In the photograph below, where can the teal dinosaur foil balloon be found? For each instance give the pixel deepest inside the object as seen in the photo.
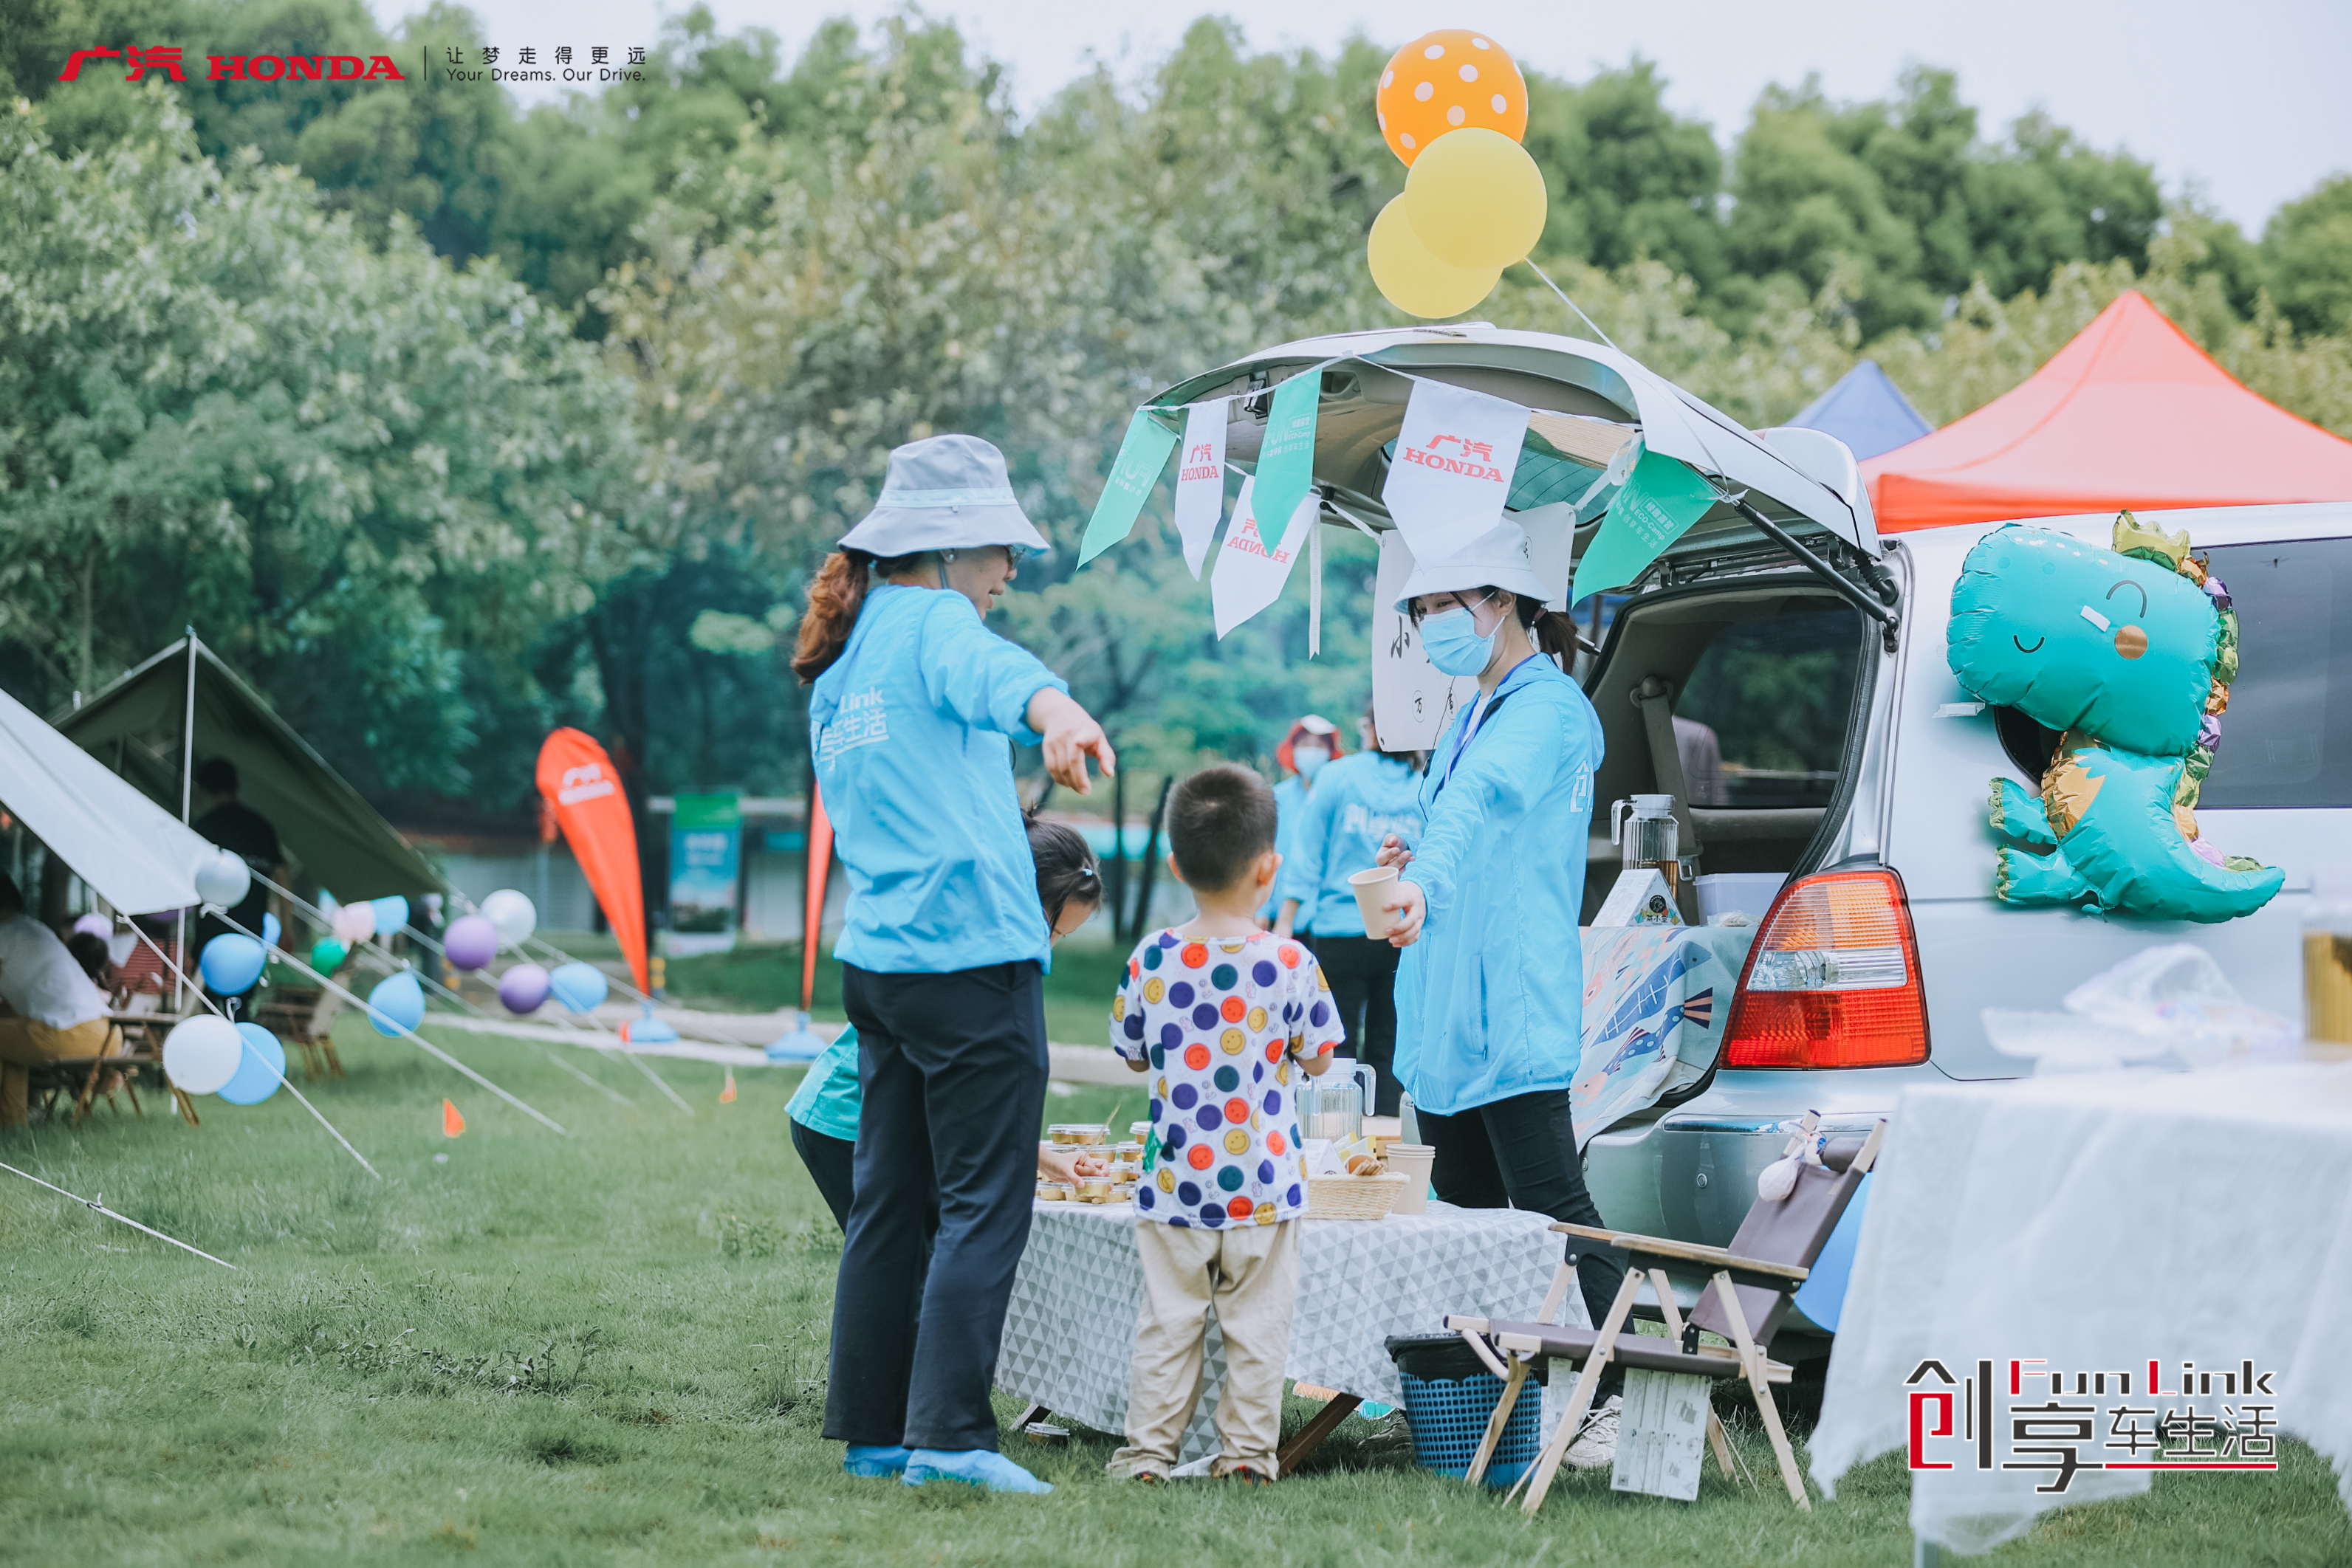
(2129, 653)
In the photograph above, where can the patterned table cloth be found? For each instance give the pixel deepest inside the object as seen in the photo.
(1070, 1333)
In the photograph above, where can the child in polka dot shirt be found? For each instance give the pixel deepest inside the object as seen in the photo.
(1224, 1018)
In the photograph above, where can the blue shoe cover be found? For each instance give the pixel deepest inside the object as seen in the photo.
(982, 1468)
(866, 1459)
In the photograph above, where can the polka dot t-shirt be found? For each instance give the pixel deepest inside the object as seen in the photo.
(1218, 1023)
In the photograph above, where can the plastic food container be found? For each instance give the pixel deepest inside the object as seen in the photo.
(1053, 1192)
(1091, 1137)
(1062, 1133)
(1094, 1189)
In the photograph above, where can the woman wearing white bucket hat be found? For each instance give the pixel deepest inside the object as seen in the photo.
(915, 707)
(1489, 994)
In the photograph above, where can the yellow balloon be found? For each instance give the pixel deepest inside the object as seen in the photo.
(1476, 199)
(1414, 281)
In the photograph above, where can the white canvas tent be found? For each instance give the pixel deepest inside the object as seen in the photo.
(138, 857)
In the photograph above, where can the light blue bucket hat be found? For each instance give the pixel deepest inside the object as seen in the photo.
(948, 492)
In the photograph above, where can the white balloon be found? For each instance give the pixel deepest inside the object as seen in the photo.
(354, 924)
(203, 1053)
(512, 913)
(223, 879)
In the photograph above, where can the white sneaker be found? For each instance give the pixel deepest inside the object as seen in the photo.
(1596, 1445)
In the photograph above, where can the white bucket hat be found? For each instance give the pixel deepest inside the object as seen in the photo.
(948, 492)
(1500, 557)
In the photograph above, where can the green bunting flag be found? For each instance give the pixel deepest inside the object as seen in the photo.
(1286, 459)
(1141, 456)
(1662, 497)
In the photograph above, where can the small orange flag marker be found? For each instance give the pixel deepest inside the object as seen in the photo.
(452, 1124)
(727, 1095)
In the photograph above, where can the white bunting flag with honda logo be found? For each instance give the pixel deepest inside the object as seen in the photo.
(1453, 467)
(1250, 570)
(1201, 479)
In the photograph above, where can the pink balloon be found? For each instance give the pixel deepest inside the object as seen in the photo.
(471, 942)
(523, 988)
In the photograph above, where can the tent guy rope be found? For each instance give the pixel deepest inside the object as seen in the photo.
(98, 1205)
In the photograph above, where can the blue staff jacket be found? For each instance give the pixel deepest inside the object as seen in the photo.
(909, 730)
(1290, 797)
(1490, 1000)
(1359, 800)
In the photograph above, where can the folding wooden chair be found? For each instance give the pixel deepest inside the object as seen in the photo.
(304, 1017)
(1749, 1286)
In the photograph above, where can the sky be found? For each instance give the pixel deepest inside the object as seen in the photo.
(2244, 102)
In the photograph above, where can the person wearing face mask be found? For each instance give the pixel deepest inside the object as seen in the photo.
(1489, 990)
(912, 716)
(1312, 742)
(1358, 801)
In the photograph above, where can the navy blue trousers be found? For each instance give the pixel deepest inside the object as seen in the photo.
(952, 1072)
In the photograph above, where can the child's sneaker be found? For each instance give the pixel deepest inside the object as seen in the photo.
(982, 1468)
(868, 1459)
(1248, 1476)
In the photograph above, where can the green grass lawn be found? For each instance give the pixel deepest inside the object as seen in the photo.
(610, 1348)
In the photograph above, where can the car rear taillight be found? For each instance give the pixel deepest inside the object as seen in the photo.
(1833, 980)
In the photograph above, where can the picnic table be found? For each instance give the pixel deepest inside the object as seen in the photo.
(1069, 1337)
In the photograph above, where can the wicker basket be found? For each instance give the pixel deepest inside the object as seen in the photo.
(1353, 1197)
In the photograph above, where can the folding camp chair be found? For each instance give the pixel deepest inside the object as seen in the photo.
(1749, 1285)
(304, 1015)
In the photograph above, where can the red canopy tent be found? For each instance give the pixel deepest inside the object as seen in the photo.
(2130, 414)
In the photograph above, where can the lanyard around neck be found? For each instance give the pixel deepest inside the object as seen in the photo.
(1477, 721)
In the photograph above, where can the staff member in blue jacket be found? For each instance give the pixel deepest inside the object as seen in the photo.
(911, 723)
(1358, 802)
(1309, 747)
(1490, 990)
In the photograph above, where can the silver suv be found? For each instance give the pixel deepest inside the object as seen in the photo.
(1851, 762)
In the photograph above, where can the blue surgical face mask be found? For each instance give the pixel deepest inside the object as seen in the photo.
(1450, 638)
(1307, 760)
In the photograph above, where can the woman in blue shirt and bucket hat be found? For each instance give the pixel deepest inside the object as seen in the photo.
(913, 714)
(1489, 992)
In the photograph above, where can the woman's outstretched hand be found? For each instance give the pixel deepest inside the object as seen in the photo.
(1071, 737)
(1411, 908)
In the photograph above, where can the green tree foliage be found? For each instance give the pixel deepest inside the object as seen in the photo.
(350, 466)
(2307, 253)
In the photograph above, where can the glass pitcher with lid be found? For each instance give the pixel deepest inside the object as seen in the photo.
(1651, 836)
(1335, 1104)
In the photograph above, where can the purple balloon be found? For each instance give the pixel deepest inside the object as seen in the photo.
(523, 988)
(470, 943)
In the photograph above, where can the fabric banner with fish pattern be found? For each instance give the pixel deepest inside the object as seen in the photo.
(1656, 999)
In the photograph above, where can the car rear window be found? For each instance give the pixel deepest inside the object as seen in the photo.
(1770, 701)
(2286, 740)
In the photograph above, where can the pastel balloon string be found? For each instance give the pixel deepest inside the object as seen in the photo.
(409, 1034)
(283, 1081)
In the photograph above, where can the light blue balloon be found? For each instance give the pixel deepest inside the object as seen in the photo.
(260, 1070)
(579, 986)
(391, 914)
(231, 964)
(397, 1001)
(270, 930)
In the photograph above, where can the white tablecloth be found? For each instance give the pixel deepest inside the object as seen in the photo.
(2093, 1222)
(1069, 1337)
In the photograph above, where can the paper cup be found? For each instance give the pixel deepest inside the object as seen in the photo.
(1373, 889)
(1412, 1161)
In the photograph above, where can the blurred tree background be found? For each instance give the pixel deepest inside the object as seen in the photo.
(449, 421)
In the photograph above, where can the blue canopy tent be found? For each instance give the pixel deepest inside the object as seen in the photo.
(1866, 410)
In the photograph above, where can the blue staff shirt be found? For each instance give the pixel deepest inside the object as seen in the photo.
(912, 733)
(1490, 1002)
(1359, 800)
(828, 1099)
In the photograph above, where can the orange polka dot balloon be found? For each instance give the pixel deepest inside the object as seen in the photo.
(1443, 82)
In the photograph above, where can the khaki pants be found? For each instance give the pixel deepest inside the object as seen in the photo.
(1250, 1274)
(25, 1043)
